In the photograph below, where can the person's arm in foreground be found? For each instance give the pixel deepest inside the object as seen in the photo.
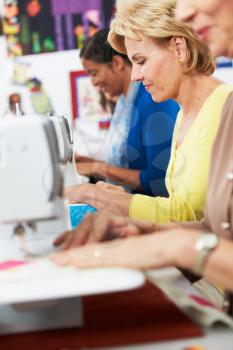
(104, 226)
(172, 248)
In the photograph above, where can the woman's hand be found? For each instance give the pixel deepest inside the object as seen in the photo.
(84, 159)
(102, 226)
(175, 247)
(106, 185)
(100, 198)
(141, 252)
(93, 168)
(74, 194)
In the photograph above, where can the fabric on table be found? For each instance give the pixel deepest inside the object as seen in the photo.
(78, 212)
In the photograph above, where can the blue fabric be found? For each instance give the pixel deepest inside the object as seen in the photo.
(78, 212)
(149, 141)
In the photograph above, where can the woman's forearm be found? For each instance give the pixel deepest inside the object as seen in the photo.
(126, 177)
(175, 247)
(85, 159)
(218, 266)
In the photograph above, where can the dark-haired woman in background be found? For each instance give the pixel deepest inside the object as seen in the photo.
(139, 140)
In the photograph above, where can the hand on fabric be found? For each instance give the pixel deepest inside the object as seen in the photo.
(73, 194)
(141, 252)
(99, 198)
(172, 248)
(103, 226)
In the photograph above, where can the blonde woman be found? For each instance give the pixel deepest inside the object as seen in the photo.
(168, 58)
(178, 245)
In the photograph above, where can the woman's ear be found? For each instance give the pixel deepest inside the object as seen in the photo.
(118, 63)
(179, 46)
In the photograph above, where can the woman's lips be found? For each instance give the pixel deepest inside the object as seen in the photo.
(148, 86)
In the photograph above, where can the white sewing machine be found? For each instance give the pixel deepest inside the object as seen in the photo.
(32, 215)
(31, 185)
(36, 161)
(64, 133)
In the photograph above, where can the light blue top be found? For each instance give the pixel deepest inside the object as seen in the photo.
(119, 128)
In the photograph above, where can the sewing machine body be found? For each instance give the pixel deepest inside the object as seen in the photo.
(41, 295)
(32, 211)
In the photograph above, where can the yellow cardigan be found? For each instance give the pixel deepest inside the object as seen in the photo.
(188, 169)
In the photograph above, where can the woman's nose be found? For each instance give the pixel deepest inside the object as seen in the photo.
(94, 81)
(136, 74)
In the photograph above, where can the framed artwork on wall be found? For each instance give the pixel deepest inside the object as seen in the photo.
(41, 26)
(84, 97)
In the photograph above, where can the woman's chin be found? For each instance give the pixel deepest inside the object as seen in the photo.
(157, 98)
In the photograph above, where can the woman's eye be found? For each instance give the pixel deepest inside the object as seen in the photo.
(141, 62)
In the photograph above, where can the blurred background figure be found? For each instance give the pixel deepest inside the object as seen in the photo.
(39, 98)
(14, 105)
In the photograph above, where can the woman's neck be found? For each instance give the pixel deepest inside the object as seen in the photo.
(193, 91)
(229, 52)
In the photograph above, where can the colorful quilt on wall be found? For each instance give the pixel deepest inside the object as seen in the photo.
(37, 26)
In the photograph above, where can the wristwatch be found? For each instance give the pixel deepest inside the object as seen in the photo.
(205, 244)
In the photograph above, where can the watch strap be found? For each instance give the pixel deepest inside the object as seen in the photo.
(200, 261)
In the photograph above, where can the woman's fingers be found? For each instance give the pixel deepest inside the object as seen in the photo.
(103, 226)
(134, 252)
(61, 239)
(108, 186)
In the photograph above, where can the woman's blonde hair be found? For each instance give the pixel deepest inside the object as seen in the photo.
(155, 19)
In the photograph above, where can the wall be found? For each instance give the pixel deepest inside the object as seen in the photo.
(225, 74)
(51, 68)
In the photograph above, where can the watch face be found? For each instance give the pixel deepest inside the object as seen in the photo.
(207, 241)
